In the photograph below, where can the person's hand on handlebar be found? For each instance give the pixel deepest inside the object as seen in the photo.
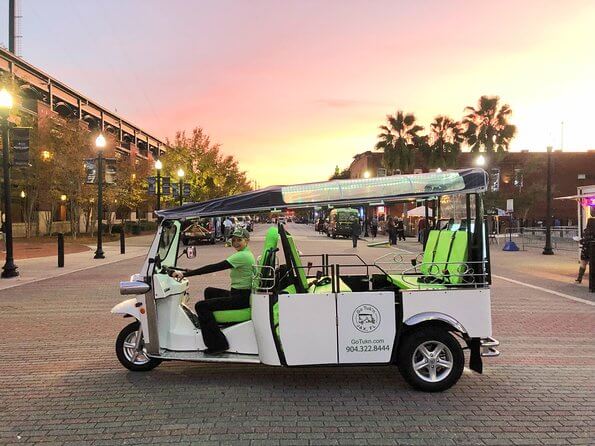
(178, 275)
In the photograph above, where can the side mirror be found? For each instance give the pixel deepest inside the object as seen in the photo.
(191, 252)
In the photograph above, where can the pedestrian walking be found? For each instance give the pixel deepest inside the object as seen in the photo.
(227, 226)
(356, 230)
(585, 242)
(400, 229)
(374, 226)
(391, 228)
(3, 236)
(421, 230)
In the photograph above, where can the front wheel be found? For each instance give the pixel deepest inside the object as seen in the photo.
(126, 350)
(431, 359)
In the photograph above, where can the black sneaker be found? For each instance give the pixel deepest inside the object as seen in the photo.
(213, 351)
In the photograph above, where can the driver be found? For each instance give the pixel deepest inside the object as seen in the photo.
(241, 264)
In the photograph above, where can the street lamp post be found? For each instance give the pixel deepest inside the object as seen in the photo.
(181, 184)
(158, 167)
(9, 269)
(100, 144)
(547, 250)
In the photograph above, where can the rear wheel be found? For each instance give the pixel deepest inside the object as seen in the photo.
(431, 359)
(129, 355)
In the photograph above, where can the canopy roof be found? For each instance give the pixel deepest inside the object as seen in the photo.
(337, 192)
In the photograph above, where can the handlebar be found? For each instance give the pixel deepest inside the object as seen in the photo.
(170, 269)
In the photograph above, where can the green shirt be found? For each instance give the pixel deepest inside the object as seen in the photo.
(243, 268)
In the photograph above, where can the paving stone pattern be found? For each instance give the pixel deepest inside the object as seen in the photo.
(60, 382)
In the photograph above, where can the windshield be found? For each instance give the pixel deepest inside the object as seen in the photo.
(166, 242)
(346, 217)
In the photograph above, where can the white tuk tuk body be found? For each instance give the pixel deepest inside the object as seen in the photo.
(337, 319)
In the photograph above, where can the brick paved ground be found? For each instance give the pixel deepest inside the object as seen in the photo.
(60, 381)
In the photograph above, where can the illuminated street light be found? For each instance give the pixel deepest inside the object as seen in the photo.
(46, 155)
(480, 161)
(5, 100)
(181, 184)
(438, 170)
(100, 144)
(158, 167)
(366, 174)
(9, 269)
(23, 194)
(100, 141)
(63, 197)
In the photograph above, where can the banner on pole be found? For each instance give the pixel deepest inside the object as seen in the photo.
(165, 186)
(20, 137)
(152, 185)
(90, 171)
(186, 190)
(110, 170)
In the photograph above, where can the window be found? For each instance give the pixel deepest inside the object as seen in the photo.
(518, 179)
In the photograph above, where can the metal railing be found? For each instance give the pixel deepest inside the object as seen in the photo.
(563, 237)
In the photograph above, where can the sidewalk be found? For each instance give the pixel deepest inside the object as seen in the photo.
(36, 269)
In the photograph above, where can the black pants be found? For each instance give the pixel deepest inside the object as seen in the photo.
(392, 237)
(217, 299)
(374, 230)
(401, 234)
(354, 239)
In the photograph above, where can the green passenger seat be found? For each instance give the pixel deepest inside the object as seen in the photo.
(325, 286)
(446, 267)
(266, 259)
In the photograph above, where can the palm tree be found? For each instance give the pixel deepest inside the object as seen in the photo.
(487, 126)
(399, 139)
(446, 138)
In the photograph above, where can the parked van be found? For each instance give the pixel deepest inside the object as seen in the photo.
(340, 221)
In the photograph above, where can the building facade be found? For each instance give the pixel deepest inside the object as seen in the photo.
(521, 176)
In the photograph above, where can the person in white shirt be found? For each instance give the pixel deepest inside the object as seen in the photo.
(227, 227)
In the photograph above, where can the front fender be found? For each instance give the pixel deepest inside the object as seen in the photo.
(435, 316)
(127, 307)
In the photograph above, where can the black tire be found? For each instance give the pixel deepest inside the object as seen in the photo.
(123, 357)
(451, 353)
(334, 235)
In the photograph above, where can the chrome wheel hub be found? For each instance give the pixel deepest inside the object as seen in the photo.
(432, 361)
(133, 349)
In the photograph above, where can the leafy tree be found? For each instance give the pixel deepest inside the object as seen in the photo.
(487, 127)
(209, 173)
(129, 190)
(58, 149)
(446, 137)
(400, 138)
(340, 174)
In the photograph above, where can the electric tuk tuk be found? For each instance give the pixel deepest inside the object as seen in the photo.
(417, 314)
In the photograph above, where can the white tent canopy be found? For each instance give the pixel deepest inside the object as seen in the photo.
(419, 211)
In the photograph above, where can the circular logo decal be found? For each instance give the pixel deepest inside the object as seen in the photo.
(366, 318)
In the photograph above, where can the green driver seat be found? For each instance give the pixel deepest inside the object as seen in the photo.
(266, 259)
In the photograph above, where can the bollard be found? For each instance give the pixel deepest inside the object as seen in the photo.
(122, 242)
(592, 267)
(60, 250)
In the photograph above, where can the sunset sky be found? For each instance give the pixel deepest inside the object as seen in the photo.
(293, 88)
